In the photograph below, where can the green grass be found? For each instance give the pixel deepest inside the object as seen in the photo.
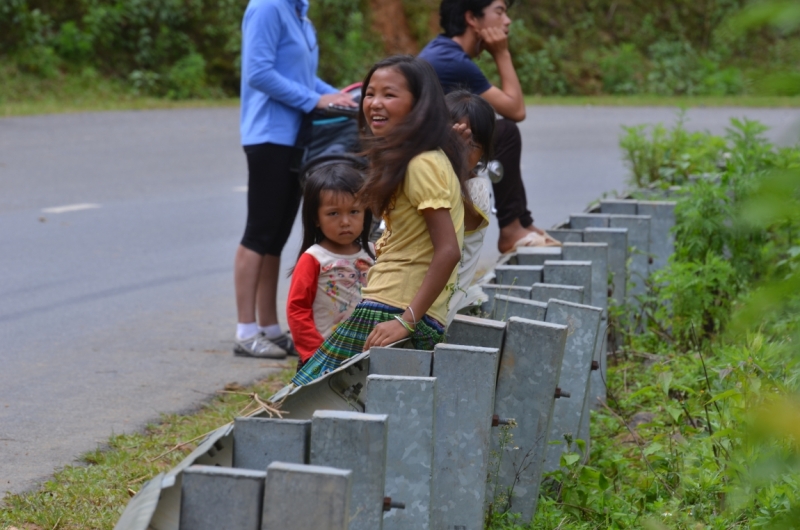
(652, 100)
(23, 94)
(93, 495)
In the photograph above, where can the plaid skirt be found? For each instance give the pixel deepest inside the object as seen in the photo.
(349, 337)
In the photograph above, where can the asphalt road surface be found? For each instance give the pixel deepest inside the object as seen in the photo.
(117, 235)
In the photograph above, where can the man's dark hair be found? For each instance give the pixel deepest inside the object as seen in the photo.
(452, 13)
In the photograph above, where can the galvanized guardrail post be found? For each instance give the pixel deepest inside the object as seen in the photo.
(536, 255)
(465, 387)
(542, 292)
(355, 441)
(639, 242)
(617, 241)
(301, 496)
(221, 497)
(524, 275)
(473, 331)
(400, 361)
(508, 306)
(662, 221)
(638, 227)
(570, 273)
(582, 323)
(619, 206)
(491, 289)
(257, 442)
(409, 404)
(566, 235)
(530, 365)
(597, 254)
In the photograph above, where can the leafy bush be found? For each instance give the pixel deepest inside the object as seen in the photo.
(670, 156)
(622, 70)
(701, 426)
(186, 78)
(681, 47)
(157, 44)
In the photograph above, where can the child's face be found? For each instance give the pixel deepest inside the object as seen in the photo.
(387, 100)
(340, 218)
(475, 150)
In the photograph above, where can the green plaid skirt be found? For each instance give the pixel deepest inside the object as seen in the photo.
(349, 337)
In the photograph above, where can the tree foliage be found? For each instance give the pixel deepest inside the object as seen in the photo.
(189, 48)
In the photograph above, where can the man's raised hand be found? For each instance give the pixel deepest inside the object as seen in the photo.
(494, 40)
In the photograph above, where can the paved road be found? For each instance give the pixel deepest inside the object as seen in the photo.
(115, 313)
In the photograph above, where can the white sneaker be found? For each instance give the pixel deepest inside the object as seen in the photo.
(260, 346)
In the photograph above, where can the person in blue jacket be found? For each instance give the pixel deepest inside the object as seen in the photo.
(279, 86)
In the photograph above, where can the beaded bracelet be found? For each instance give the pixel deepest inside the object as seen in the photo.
(405, 324)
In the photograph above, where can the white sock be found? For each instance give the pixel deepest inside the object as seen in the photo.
(245, 331)
(272, 332)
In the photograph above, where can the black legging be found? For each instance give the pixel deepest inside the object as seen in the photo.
(509, 194)
(273, 197)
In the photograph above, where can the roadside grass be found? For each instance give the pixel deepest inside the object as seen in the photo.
(653, 100)
(94, 495)
(23, 94)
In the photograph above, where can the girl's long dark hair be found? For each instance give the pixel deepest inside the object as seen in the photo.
(340, 177)
(426, 128)
(480, 115)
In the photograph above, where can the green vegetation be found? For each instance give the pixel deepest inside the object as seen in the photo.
(25, 94)
(701, 427)
(92, 496)
(654, 100)
(190, 49)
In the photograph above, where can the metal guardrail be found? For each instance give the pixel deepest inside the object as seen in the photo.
(398, 438)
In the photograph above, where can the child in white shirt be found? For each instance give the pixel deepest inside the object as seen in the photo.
(474, 118)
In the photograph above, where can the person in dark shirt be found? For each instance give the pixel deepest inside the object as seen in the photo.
(470, 27)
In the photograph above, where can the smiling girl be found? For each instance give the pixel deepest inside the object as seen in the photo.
(416, 181)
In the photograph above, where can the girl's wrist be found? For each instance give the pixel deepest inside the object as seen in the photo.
(409, 315)
(405, 324)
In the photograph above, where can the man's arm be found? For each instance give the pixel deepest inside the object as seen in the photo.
(507, 100)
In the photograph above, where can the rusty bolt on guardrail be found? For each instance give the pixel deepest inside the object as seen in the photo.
(497, 421)
(595, 365)
(561, 394)
(388, 504)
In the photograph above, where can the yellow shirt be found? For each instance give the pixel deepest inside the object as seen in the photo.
(405, 250)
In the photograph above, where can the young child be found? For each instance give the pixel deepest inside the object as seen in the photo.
(334, 257)
(474, 120)
(417, 178)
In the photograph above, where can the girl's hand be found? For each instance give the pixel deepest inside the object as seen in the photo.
(463, 132)
(345, 100)
(386, 333)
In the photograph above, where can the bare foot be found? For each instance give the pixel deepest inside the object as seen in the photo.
(509, 235)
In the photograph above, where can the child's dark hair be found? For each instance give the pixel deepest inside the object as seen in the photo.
(426, 128)
(480, 115)
(340, 177)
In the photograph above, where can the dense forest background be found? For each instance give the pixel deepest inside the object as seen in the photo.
(190, 48)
